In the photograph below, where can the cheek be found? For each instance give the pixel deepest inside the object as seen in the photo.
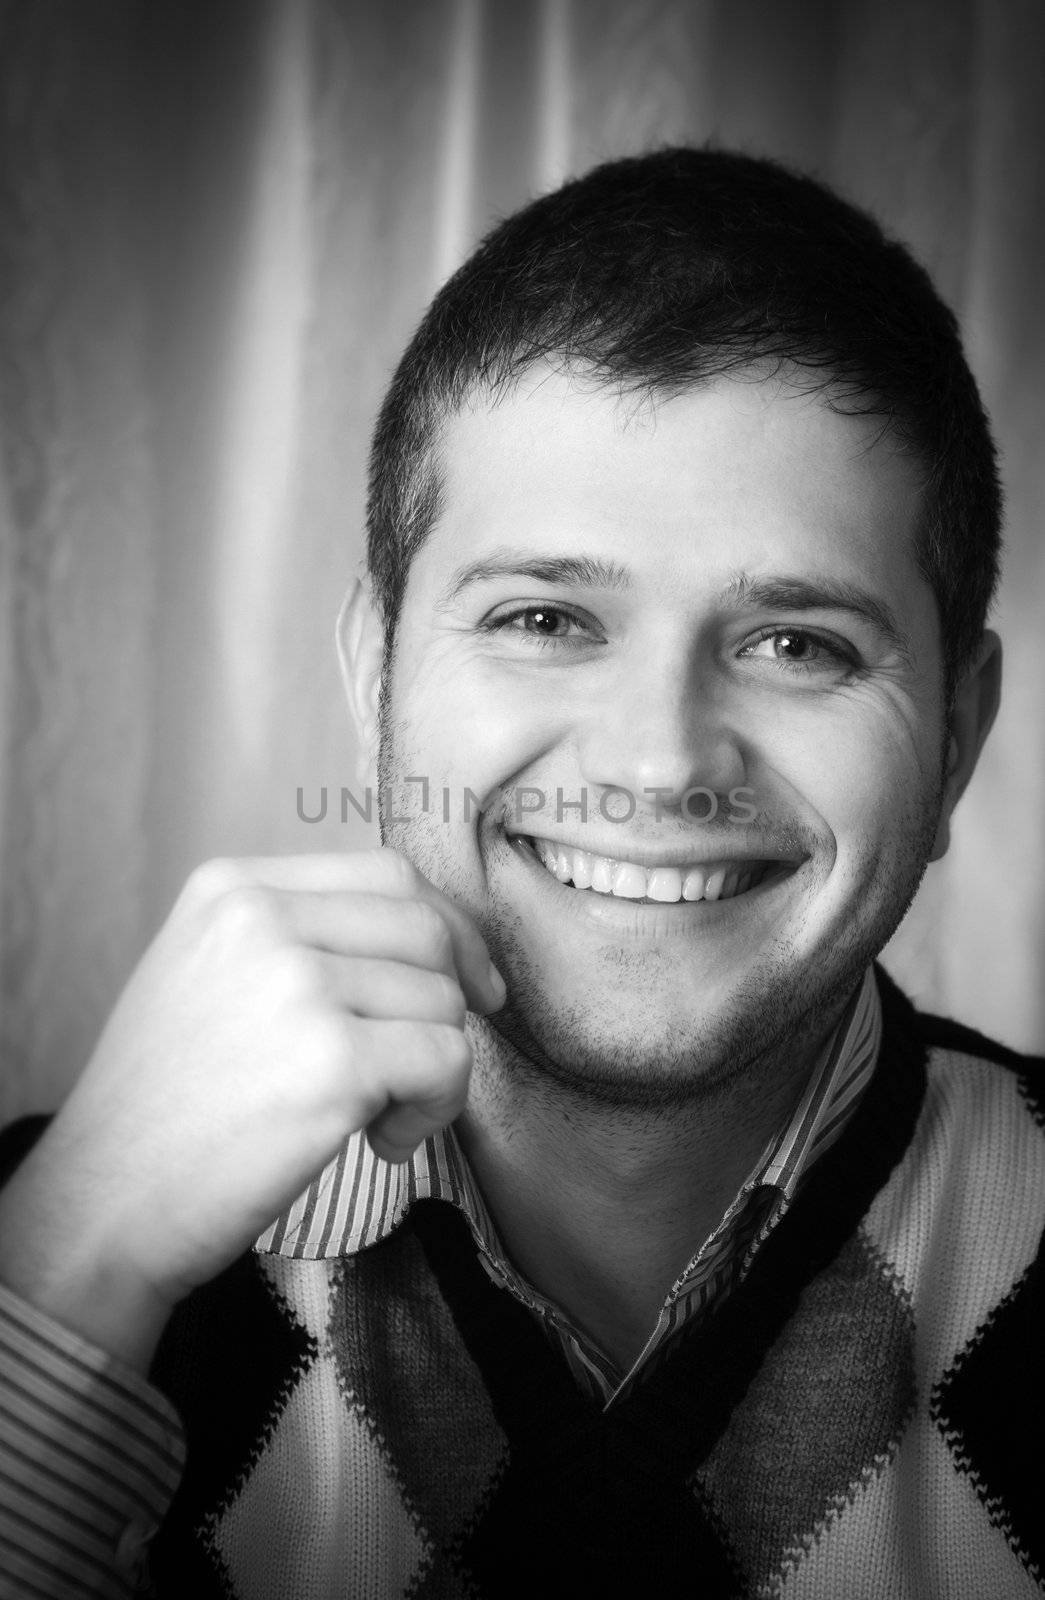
(472, 724)
(864, 765)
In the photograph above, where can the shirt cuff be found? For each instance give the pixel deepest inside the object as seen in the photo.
(90, 1458)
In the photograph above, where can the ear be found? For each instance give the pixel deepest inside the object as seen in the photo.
(361, 650)
(975, 707)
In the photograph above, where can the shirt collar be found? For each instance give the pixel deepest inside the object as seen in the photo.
(831, 1095)
(358, 1199)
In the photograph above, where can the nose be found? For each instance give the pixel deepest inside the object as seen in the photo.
(662, 730)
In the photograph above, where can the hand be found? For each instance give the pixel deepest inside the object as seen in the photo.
(284, 1005)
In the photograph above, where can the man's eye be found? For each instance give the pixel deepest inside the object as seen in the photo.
(544, 623)
(801, 651)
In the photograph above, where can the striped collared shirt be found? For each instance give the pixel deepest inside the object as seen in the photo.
(359, 1199)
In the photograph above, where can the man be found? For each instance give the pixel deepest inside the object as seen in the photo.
(669, 1249)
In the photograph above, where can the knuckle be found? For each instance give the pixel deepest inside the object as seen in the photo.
(247, 911)
(431, 929)
(213, 879)
(399, 871)
(326, 1043)
(342, 1083)
(292, 977)
(449, 1000)
(455, 1053)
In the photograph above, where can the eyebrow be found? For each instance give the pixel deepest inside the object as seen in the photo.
(783, 593)
(587, 572)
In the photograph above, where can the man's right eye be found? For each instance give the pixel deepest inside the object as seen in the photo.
(547, 624)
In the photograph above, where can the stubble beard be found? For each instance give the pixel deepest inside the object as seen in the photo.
(778, 1018)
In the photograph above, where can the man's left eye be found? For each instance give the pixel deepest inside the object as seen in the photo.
(800, 650)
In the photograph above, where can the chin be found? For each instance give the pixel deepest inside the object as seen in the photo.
(605, 1070)
(641, 1048)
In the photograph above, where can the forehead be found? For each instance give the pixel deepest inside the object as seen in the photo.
(743, 472)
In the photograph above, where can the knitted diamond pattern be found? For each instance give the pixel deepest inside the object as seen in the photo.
(254, 1351)
(432, 1413)
(842, 1374)
(860, 1419)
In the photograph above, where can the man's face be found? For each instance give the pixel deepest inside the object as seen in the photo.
(736, 653)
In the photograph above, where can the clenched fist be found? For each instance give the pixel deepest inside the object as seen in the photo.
(284, 1005)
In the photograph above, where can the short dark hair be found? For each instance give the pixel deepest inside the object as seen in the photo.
(661, 271)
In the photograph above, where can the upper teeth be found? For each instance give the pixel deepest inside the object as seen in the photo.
(713, 881)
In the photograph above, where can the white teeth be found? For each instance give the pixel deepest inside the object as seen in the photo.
(665, 883)
(602, 875)
(628, 881)
(714, 885)
(557, 861)
(583, 865)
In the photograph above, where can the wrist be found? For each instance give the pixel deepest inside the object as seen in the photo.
(50, 1260)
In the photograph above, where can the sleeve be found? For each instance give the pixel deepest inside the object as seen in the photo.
(90, 1458)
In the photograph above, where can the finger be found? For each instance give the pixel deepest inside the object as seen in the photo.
(382, 872)
(396, 1134)
(391, 990)
(381, 869)
(419, 1075)
(426, 932)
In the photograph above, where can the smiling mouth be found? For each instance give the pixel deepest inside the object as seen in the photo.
(660, 885)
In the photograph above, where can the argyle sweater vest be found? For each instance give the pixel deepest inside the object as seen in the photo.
(862, 1419)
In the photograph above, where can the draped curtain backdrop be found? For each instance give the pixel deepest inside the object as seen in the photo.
(219, 223)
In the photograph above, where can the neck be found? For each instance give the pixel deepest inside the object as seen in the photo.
(601, 1209)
